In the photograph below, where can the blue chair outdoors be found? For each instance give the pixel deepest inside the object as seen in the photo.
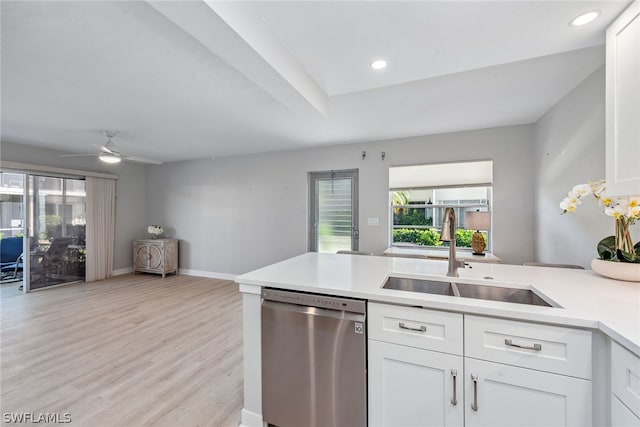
(10, 257)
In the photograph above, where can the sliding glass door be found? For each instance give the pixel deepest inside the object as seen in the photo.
(42, 230)
(12, 190)
(56, 230)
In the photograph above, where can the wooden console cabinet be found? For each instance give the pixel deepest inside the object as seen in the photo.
(155, 256)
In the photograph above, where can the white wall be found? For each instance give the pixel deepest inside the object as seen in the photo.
(239, 213)
(236, 214)
(570, 150)
(130, 191)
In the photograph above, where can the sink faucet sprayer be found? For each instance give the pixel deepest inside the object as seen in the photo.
(449, 235)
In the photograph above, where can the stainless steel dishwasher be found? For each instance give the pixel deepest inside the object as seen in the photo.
(313, 360)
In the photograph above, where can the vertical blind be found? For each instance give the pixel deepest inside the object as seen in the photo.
(334, 208)
(101, 197)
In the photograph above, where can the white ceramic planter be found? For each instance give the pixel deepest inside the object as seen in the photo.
(617, 270)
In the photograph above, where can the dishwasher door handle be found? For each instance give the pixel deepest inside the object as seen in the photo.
(312, 311)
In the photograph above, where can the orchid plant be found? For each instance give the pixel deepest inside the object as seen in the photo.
(625, 211)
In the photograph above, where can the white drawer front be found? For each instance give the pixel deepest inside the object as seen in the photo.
(547, 348)
(625, 377)
(416, 327)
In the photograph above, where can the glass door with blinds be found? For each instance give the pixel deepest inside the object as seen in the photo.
(333, 211)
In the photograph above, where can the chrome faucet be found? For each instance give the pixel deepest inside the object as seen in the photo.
(449, 235)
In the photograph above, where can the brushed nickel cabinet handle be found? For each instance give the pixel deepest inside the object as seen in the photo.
(474, 405)
(408, 328)
(454, 399)
(536, 347)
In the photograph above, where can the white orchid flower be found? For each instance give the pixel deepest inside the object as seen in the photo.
(568, 205)
(627, 208)
(597, 188)
(633, 207)
(581, 190)
(574, 198)
(605, 201)
(616, 211)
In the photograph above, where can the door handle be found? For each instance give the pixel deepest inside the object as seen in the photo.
(454, 375)
(474, 405)
(355, 233)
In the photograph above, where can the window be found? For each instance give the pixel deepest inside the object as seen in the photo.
(416, 212)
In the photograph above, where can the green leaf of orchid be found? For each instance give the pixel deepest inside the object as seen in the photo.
(606, 248)
(627, 257)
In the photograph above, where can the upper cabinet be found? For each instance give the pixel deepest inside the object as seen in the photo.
(623, 104)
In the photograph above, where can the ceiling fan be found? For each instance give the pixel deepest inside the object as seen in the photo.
(109, 153)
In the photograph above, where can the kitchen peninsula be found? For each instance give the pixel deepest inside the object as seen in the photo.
(575, 354)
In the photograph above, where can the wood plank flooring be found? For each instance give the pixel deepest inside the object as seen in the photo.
(135, 350)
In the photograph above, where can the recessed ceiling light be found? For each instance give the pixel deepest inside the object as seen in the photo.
(378, 64)
(583, 19)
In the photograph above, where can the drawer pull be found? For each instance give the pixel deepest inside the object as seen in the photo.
(409, 328)
(454, 399)
(536, 347)
(474, 405)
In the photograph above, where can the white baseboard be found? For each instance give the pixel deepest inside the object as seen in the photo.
(210, 274)
(251, 419)
(121, 271)
(186, 272)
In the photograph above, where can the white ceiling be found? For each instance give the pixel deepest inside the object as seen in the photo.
(185, 80)
(336, 41)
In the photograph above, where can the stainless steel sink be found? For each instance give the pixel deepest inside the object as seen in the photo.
(418, 285)
(498, 293)
(467, 290)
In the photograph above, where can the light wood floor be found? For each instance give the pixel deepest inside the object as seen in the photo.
(10, 289)
(129, 351)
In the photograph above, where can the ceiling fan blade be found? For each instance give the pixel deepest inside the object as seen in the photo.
(78, 155)
(107, 149)
(142, 160)
(102, 148)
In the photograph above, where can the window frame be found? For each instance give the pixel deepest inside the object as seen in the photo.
(488, 206)
(313, 178)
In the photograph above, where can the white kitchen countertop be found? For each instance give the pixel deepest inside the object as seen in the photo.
(587, 299)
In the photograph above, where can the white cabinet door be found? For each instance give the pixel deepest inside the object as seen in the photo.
(411, 387)
(625, 377)
(623, 104)
(506, 396)
(621, 416)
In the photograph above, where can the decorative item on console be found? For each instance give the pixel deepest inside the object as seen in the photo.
(155, 231)
(618, 248)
